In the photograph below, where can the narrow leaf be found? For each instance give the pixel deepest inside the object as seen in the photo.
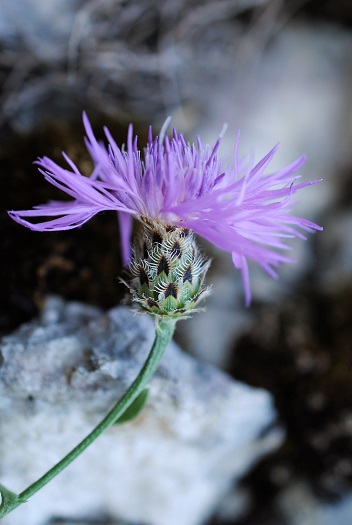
(134, 409)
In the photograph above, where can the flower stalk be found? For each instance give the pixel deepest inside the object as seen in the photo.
(164, 332)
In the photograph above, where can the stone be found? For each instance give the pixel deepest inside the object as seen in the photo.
(198, 434)
(299, 506)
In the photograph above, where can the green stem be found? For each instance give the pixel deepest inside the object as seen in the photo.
(164, 332)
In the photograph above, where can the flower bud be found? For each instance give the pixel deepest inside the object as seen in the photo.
(167, 271)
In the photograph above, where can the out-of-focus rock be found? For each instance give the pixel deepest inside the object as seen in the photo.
(297, 91)
(199, 433)
(299, 506)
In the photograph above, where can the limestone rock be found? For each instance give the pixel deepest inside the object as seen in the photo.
(299, 506)
(199, 432)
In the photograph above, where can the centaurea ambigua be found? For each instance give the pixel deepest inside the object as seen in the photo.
(241, 209)
(175, 189)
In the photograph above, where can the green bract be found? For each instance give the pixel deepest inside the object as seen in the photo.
(167, 271)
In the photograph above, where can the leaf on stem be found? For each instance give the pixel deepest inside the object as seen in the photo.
(134, 409)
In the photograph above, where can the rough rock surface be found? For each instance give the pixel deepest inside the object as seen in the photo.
(199, 432)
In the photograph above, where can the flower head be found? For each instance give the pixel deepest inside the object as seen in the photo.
(167, 271)
(242, 210)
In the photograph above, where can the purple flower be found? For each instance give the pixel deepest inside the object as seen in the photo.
(242, 210)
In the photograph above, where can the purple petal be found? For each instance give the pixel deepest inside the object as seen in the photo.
(125, 226)
(182, 184)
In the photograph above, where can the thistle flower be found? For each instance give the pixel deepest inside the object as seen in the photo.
(241, 210)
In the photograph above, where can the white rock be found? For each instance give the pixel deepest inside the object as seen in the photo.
(299, 506)
(199, 432)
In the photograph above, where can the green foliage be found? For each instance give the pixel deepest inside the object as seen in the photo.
(134, 409)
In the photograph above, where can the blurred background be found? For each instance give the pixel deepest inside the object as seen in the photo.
(280, 72)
